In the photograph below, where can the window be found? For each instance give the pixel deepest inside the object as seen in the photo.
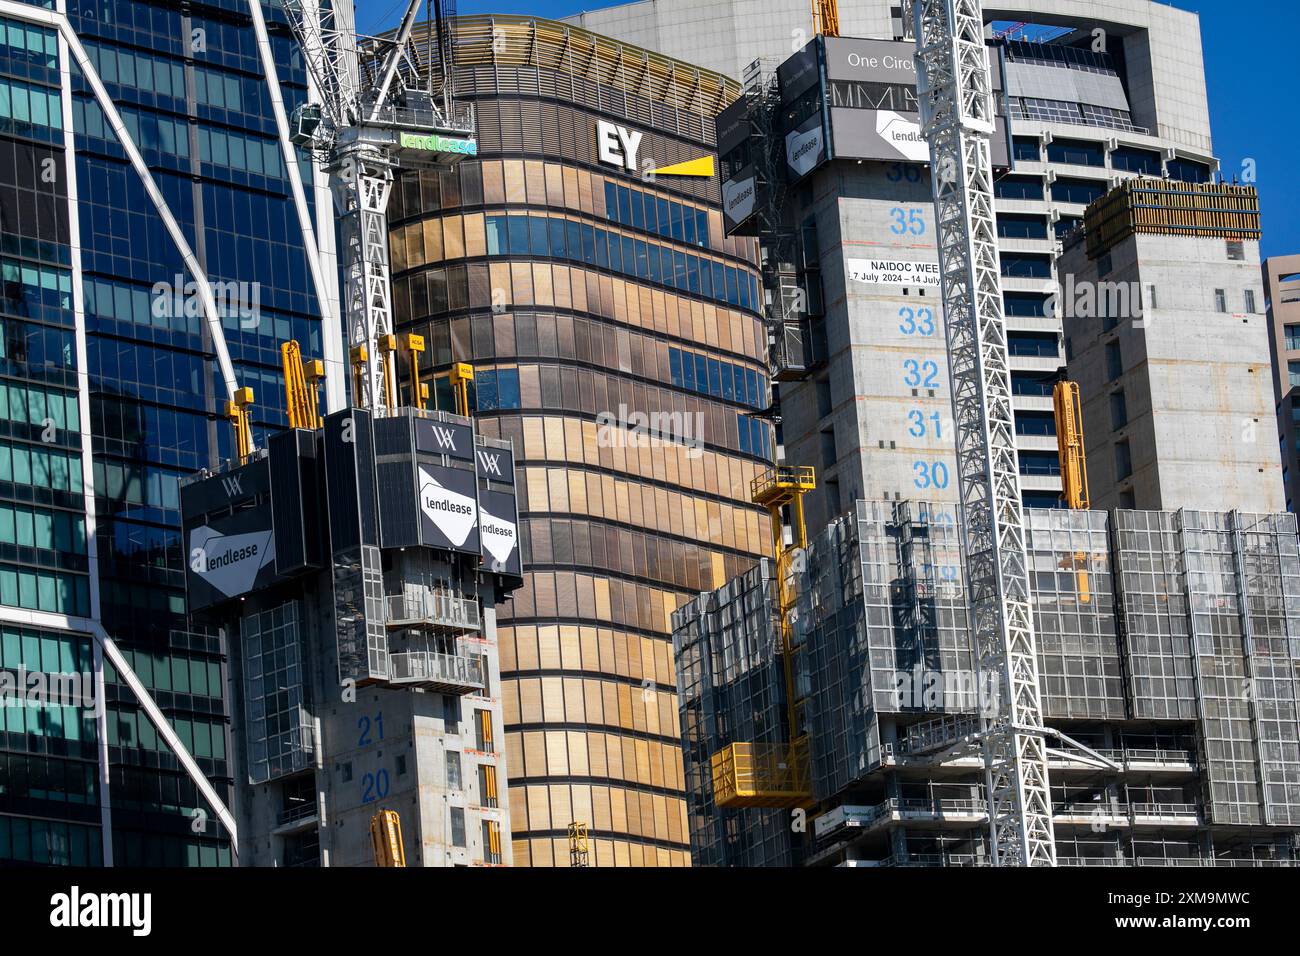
(1066, 225)
(1114, 361)
(1030, 304)
(1134, 160)
(1033, 344)
(1250, 301)
(458, 826)
(1220, 301)
(1024, 148)
(483, 730)
(1043, 463)
(1076, 152)
(1236, 250)
(453, 770)
(1118, 410)
(1188, 171)
(1293, 373)
(1018, 226)
(1022, 265)
(1123, 460)
(825, 404)
(487, 785)
(1081, 191)
(1292, 337)
(1035, 423)
(491, 841)
(1018, 187)
(829, 456)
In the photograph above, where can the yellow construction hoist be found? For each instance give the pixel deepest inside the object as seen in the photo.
(1074, 471)
(762, 774)
(386, 838)
(301, 378)
(238, 412)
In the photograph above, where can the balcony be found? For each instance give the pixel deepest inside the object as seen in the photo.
(433, 609)
(1164, 814)
(446, 673)
(1177, 761)
(297, 818)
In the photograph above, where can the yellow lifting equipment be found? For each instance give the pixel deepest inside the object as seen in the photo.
(774, 774)
(386, 837)
(238, 412)
(1074, 471)
(300, 386)
(462, 374)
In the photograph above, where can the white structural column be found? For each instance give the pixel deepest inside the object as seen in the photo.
(87, 445)
(958, 119)
(326, 293)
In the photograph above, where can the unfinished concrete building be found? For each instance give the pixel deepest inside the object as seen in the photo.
(1169, 657)
(1282, 302)
(1162, 305)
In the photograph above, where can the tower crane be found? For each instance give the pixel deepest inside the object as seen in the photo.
(362, 117)
(958, 120)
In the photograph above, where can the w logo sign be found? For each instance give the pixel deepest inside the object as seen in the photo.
(490, 463)
(232, 485)
(445, 437)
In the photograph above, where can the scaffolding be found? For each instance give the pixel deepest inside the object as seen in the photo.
(1169, 208)
(1173, 668)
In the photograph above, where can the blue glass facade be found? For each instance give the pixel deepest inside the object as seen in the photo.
(188, 83)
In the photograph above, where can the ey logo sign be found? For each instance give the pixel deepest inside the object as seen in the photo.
(618, 146)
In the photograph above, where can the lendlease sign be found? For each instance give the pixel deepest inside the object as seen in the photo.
(449, 508)
(434, 143)
(230, 563)
(866, 105)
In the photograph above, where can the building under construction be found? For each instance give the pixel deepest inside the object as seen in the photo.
(1167, 645)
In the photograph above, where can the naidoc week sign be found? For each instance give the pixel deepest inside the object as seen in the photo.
(895, 272)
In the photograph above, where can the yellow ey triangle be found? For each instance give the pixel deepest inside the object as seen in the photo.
(692, 167)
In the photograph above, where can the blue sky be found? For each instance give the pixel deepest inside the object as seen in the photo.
(1251, 65)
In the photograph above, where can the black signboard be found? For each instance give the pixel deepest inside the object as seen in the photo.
(448, 500)
(444, 438)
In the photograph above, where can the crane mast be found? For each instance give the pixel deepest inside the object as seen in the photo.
(356, 127)
(958, 121)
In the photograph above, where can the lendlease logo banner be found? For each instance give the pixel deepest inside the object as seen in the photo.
(452, 513)
(500, 537)
(738, 197)
(230, 563)
(903, 134)
(434, 143)
(805, 148)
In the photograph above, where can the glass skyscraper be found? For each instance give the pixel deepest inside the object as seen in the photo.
(110, 391)
(616, 339)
